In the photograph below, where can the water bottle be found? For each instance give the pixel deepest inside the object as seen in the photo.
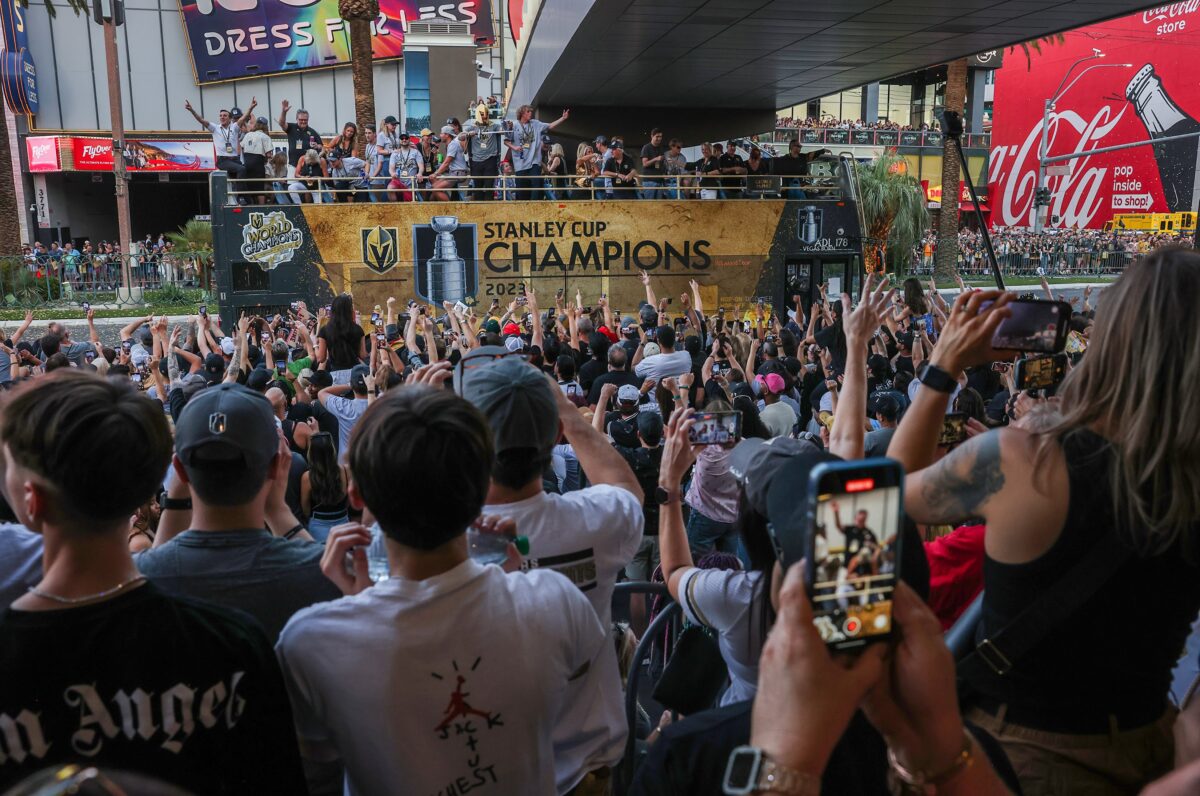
(377, 560)
(492, 548)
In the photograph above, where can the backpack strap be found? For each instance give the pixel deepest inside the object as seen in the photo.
(999, 652)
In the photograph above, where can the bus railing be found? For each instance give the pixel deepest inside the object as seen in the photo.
(837, 136)
(333, 189)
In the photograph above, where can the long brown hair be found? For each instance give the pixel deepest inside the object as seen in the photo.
(1137, 388)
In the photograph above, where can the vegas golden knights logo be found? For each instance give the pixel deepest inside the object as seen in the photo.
(379, 249)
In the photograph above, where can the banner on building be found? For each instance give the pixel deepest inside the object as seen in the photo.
(18, 74)
(233, 39)
(42, 153)
(1157, 96)
(95, 154)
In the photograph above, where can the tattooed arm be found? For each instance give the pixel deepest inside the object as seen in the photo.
(959, 486)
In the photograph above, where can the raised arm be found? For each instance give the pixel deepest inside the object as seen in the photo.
(846, 436)
(129, 329)
(200, 119)
(24, 327)
(283, 112)
(597, 457)
(650, 299)
(678, 455)
(538, 336)
(566, 113)
(93, 335)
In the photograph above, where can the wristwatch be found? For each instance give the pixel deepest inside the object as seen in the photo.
(750, 771)
(935, 378)
(663, 496)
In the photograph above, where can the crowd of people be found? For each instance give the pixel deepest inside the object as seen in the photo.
(1057, 251)
(97, 266)
(483, 159)
(830, 123)
(374, 550)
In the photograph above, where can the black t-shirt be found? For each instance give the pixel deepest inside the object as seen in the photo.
(788, 166)
(654, 169)
(166, 686)
(729, 160)
(619, 378)
(624, 167)
(830, 337)
(300, 141)
(590, 371)
(645, 463)
(342, 352)
(710, 166)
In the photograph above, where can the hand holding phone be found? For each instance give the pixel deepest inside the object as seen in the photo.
(1034, 325)
(715, 428)
(1040, 373)
(954, 429)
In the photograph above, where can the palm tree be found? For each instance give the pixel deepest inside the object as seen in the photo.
(10, 214)
(359, 14)
(893, 208)
(195, 239)
(947, 226)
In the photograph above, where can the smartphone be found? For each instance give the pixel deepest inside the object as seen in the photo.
(604, 296)
(295, 306)
(716, 428)
(86, 306)
(851, 549)
(281, 368)
(204, 310)
(1038, 373)
(375, 317)
(522, 300)
(1001, 367)
(716, 369)
(954, 429)
(381, 339)
(422, 310)
(1076, 343)
(126, 345)
(89, 356)
(1035, 325)
(652, 334)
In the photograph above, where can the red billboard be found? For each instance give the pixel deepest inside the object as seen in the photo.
(95, 154)
(1144, 87)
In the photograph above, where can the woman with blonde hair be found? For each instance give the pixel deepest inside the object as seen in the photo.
(305, 180)
(556, 171)
(1106, 502)
(585, 162)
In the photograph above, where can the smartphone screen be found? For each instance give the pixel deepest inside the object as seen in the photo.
(280, 367)
(853, 552)
(1034, 325)
(126, 345)
(1038, 373)
(204, 309)
(954, 429)
(374, 317)
(716, 369)
(381, 339)
(86, 306)
(716, 428)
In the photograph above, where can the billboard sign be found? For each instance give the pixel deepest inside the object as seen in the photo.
(95, 154)
(1155, 97)
(232, 39)
(18, 73)
(42, 153)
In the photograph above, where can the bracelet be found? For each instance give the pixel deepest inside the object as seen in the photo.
(922, 783)
(297, 528)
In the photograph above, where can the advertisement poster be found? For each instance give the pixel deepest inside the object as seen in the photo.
(233, 39)
(42, 153)
(1155, 96)
(95, 154)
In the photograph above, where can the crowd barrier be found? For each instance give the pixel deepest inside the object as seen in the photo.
(1054, 263)
(836, 136)
(32, 280)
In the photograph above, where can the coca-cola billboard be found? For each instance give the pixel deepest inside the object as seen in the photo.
(1156, 97)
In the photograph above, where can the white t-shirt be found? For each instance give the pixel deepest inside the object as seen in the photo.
(528, 136)
(724, 600)
(347, 411)
(256, 142)
(225, 139)
(421, 685)
(778, 418)
(661, 366)
(589, 536)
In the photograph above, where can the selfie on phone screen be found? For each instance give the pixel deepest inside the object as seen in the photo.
(855, 541)
(716, 428)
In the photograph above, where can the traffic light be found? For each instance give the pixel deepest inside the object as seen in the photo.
(1041, 197)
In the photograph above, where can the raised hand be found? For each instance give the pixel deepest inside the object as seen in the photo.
(352, 538)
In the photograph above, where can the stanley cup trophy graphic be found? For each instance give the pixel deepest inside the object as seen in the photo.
(445, 271)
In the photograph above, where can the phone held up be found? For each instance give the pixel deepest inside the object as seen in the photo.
(716, 428)
(954, 429)
(851, 549)
(1035, 325)
(1040, 373)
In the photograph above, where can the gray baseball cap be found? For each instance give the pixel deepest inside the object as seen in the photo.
(517, 401)
(227, 424)
(755, 462)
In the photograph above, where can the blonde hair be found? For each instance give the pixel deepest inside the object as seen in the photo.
(581, 150)
(312, 156)
(1136, 387)
(556, 149)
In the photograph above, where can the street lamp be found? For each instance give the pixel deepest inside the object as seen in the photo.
(1042, 196)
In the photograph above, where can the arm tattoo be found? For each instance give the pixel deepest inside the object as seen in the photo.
(957, 486)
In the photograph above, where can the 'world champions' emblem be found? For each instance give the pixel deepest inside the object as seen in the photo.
(379, 251)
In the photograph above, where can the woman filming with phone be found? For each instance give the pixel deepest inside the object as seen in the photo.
(1090, 579)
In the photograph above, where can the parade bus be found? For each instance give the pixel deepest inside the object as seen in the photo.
(778, 242)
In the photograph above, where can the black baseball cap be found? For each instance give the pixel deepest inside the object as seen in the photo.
(227, 424)
(757, 463)
(214, 367)
(390, 120)
(259, 379)
(358, 378)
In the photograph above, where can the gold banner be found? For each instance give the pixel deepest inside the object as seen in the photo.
(483, 250)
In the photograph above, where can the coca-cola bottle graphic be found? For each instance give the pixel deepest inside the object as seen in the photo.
(1163, 118)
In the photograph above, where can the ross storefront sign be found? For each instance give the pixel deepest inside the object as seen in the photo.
(95, 154)
(232, 39)
(40, 201)
(42, 153)
(1156, 97)
(18, 74)
(933, 193)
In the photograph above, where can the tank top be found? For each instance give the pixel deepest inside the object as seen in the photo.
(1115, 655)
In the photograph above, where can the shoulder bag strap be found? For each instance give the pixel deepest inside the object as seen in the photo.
(999, 652)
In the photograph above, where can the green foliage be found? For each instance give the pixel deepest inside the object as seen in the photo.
(893, 204)
(1035, 45)
(78, 6)
(21, 287)
(194, 236)
(172, 295)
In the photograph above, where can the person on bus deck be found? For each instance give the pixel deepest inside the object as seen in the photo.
(620, 170)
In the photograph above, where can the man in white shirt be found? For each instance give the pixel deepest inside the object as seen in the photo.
(447, 675)
(347, 409)
(227, 139)
(589, 535)
(778, 417)
(668, 363)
